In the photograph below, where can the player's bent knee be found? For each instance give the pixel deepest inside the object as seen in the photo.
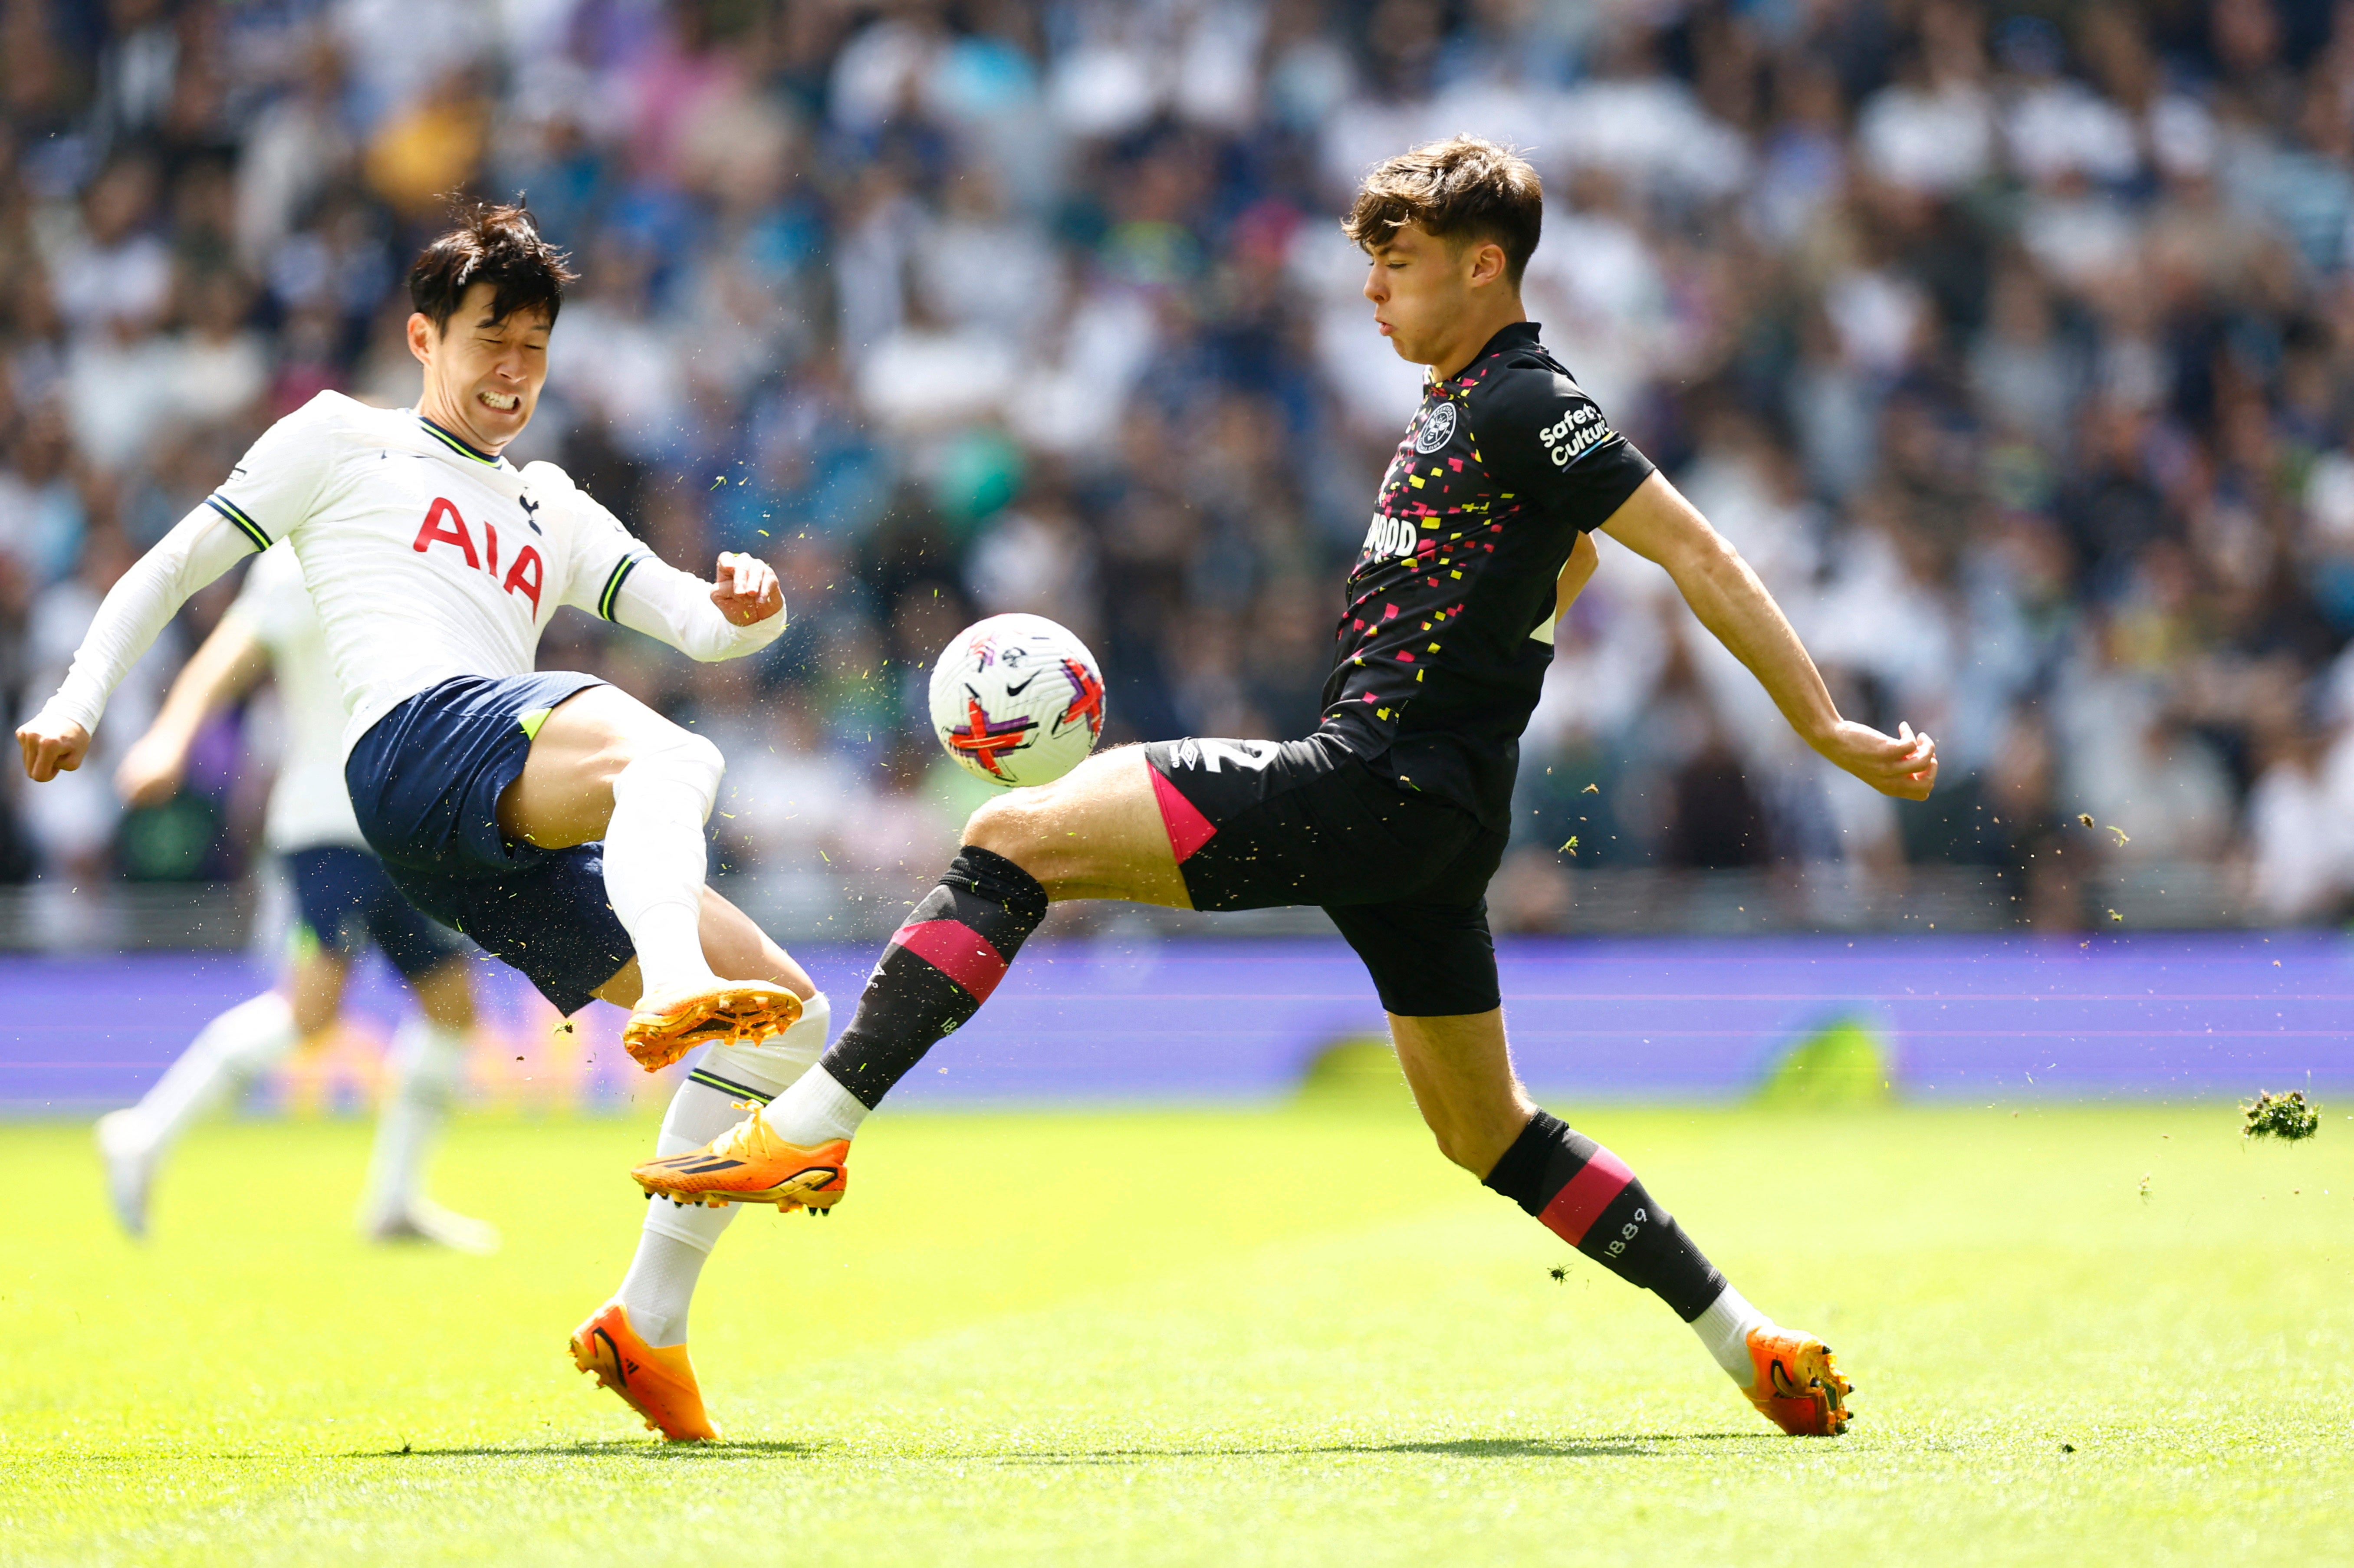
(1003, 826)
(684, 753)
(673, 758)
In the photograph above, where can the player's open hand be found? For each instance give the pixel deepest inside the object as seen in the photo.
(745, 589)
(1903, 764)
(151, 770)
(51, 745)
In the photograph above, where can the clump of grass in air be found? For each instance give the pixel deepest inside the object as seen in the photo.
(2289, 1116)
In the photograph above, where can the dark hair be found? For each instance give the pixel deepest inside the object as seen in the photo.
(493, 243)
(1461, 189)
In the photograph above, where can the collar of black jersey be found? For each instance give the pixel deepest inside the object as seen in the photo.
(1511, 334)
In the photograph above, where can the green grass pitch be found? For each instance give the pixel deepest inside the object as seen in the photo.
(1228, 1337)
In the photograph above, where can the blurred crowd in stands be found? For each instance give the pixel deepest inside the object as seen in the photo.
(2013, 346)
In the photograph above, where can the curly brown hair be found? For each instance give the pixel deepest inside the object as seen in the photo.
(494, 242)
(1461, 189)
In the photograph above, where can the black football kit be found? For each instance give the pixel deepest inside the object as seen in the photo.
(1395, 813)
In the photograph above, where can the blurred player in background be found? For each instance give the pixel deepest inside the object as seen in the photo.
(344, 901)
(1395, 813)
(553, 818)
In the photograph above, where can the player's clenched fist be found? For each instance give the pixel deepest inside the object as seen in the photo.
(745, 590)
(1903, 765)
(51, 747)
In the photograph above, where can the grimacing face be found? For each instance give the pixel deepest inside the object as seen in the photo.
(482, 377)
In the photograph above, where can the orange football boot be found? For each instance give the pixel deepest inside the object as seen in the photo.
(1799, 1387)
(666, 1027)
(751, 1164)
(659, 1385)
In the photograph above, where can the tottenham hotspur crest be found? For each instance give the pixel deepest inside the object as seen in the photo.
(1437, 428)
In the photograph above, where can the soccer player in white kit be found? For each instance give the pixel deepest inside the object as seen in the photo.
(550, 817)
(344, 901)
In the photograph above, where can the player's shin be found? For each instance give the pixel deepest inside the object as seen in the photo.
(678, 1238)
(1585, 1195)
(937, 971)
(654, 859)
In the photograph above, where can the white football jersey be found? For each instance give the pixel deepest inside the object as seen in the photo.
(309, 804)
(425, 559)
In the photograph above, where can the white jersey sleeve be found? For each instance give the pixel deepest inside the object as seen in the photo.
(197, 550)
(265, 493)
(614, 575)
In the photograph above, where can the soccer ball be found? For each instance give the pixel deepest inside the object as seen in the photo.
(1017, 700)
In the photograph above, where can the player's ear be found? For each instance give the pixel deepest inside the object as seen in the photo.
(1488, 264)
(421, 334)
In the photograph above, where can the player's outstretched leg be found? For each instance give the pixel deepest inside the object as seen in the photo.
(227, 1054)
(1586, 1196)
(1460, 1071)
(1098, 833)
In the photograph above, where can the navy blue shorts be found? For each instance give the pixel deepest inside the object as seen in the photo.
(426, 782)
(348, 902)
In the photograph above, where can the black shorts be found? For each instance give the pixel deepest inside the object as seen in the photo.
(425, 780)
(348, 901)
(1259, 823)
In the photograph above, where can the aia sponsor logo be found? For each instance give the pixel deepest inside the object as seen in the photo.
(443, 525)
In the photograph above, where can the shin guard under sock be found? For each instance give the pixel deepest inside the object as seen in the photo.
(1585, 1195)
(939, 968)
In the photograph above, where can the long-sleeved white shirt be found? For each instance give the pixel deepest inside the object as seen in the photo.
(425, 559)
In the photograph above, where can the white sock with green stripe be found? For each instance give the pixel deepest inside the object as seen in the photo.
(675, 1240)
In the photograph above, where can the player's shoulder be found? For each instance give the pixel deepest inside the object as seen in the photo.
(329, 415)
(1523, 403)
(1518, 380)
(543, 478)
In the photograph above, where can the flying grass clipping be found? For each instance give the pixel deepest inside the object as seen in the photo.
(2289, 1116)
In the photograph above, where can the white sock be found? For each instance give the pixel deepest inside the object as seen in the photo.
(425, 1064)
(659, 1285)
(1724, 1329)
(227, 1055)
(654, 859)
(816, 1110)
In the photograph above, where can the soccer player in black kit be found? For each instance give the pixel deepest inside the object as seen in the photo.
(1395, 813)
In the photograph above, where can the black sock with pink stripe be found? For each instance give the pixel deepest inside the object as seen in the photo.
(939, 968)
(1585, 1195)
